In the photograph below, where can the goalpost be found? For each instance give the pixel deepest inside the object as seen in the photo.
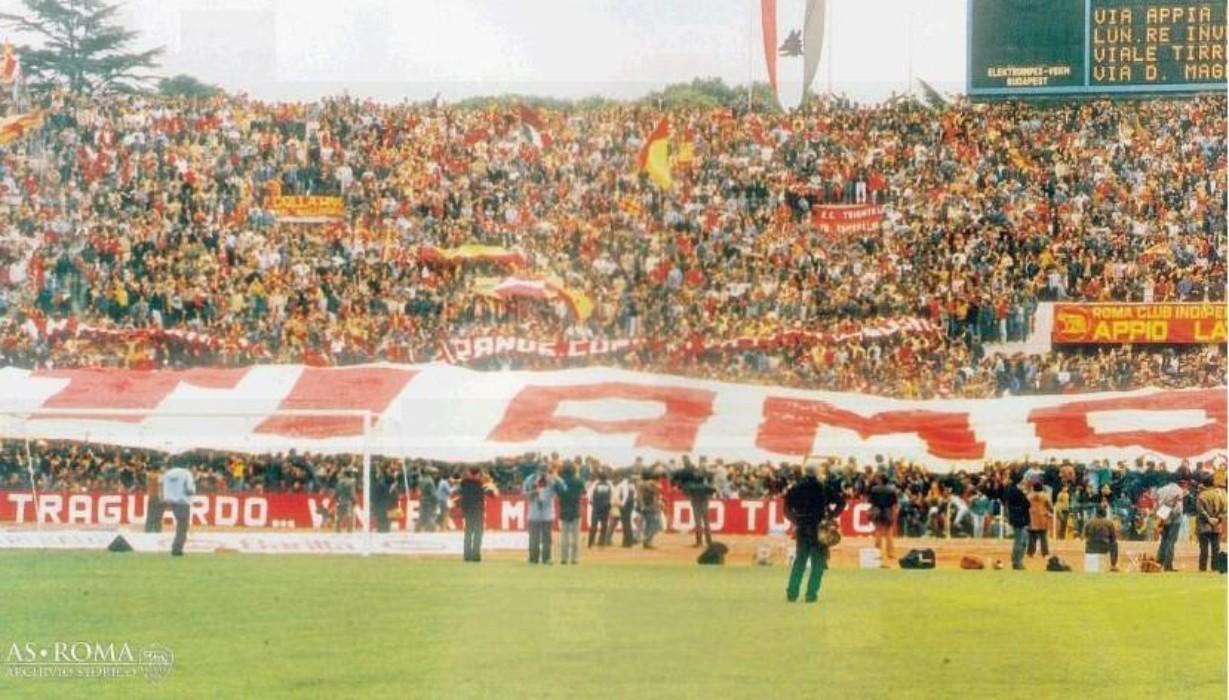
(103, 448)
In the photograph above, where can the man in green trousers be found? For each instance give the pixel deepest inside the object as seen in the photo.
(807, 504)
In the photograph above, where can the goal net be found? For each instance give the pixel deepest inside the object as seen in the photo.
(275, 480)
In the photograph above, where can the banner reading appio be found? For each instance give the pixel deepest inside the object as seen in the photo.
(1139, 323)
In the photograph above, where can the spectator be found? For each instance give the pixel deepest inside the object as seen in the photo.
(541, 489)
(474, 490)
(600, 499)
(1019, 517)
(1101, 537)
(884, 510)
(1040, 513)
(569, 515)
(649, 499)
(1211, 507)
(1169, 514)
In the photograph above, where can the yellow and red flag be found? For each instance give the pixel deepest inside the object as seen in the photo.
(655, 155)
(687, 149)
(18, 125)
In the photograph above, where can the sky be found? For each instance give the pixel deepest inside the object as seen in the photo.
(399, 49)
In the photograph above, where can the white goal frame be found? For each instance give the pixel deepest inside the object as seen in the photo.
(15, 425)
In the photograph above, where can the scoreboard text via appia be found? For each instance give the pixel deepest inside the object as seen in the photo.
(1040, 47)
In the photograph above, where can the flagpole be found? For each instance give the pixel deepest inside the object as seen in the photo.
(831, 11)
(750, 52)
(909, 87)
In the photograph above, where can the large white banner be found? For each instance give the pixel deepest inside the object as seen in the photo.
(450, 413)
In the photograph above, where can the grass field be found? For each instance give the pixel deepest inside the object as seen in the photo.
(272, 626)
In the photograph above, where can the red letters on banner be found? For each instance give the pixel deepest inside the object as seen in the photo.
(359, 388)
(533, 412)
(105, 388)
(789, 427)
(1066, 426)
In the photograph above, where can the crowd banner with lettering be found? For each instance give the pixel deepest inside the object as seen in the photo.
(479, 347)
(1139, 323)
(450, 413)
(40, 328)
(309, 209)
(301, 511)
(845, 219)
(470, 253)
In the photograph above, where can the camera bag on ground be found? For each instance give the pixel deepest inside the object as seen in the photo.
(1220, 563)
(714, 554)
(918, 559)
(1056, 564)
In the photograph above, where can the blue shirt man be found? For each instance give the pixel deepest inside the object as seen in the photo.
(540, 490)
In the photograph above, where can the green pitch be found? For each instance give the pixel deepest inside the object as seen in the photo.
(340, 627)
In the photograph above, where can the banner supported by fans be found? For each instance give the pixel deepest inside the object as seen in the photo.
(1185, 323)
(846, 219)
(481, 346)
(309, 209)
(302, 511)
(449, 413)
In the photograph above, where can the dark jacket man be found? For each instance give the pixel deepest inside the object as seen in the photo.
(807, 504)
(1210, 511)
(694, 484)
(1018, 507)
(473, 509)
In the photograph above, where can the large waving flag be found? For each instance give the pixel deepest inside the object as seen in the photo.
(534, 127)
(10, 65)
(799, 27)
(655, 156)
(18, 125)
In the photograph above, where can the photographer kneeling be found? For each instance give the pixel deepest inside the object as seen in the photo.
(808, 504)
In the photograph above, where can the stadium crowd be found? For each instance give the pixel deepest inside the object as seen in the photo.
(142, 216)
(962, 503)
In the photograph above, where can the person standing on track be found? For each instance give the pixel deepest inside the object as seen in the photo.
(600, 499)
(474, 490)
(627, 495)
(694, 483)
(344, 494)
(1169, 513)
(1040, 511)
(178, 487)
(650, 508)
(541, 488)
(884, 508)
(807, 504)
(569, 515)
(426, 500)
(1210, 507)
(1017, 505)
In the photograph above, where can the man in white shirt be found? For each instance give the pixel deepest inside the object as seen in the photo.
(178, 487)
(625, 497)
(1169, 513)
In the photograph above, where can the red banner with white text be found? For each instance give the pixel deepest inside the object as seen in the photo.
(731, 516)
(845, 219)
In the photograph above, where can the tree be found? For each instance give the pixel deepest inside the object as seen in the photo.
(83, 48)
(187, 86)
